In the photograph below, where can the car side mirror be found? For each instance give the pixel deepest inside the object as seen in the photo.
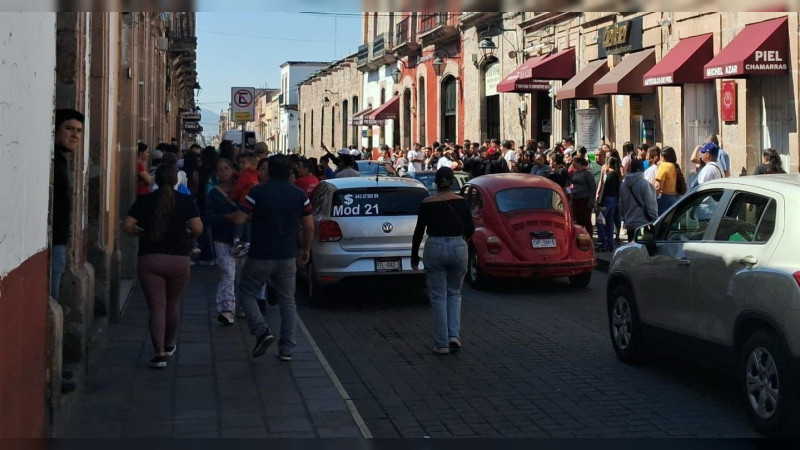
(646, 236)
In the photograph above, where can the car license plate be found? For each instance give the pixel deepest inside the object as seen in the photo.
(543, 243)
(388, 265)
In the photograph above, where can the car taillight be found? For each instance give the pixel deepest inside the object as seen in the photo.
(493, 245)
(584, 242)
(329, 231)
(797, 277)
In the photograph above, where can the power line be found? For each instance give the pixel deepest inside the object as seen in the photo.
(262, 37)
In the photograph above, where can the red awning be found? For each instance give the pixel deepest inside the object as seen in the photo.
(358, 117)
(682, 64)
(626, 77)
(533, 74)
(387, 111)
(759, 49)
(582, 84)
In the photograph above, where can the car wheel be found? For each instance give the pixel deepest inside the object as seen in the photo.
(317, 294)
(770, 384)
(581, 280)
(477, 279)
(623, 322)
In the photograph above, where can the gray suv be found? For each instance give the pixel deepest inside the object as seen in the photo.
(363, 228)
(718, 276)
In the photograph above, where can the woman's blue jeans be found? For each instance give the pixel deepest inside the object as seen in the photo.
(445, 260)
(605, 232)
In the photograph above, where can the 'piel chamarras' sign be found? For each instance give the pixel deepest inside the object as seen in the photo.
(759, 49)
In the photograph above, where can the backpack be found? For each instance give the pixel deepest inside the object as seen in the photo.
(680, 183)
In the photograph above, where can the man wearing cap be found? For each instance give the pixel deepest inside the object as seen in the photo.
(711, 170)
(496, 163)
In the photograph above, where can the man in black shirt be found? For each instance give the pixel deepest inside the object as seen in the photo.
(277, 209)
(69, 130)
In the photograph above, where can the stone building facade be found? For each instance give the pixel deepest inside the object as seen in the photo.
(682, 105)
(131, 81)
(327, 100)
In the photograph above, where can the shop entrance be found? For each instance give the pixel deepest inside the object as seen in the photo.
(700, 120)
(544, 117)
(491, 78)
(776, 117)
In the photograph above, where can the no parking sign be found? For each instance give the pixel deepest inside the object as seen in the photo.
(243, 104)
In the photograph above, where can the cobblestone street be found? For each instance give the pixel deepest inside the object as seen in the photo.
(536, 363)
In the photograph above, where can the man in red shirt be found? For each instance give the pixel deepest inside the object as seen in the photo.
(305, 179)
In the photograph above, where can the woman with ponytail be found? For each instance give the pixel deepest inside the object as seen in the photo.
(772, 163)
(166, 222)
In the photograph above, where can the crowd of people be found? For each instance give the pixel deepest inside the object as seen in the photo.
(221, 205)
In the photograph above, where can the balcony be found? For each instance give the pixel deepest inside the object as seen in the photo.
(363, 56)
(472, 19)
(438, 27)
(405, 42)
(382, 50)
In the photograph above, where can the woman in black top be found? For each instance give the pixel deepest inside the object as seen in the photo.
(164, 264)
(608, 199)
(448, 220)
(558, 173)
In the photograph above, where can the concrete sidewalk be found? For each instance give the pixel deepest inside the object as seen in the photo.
(212, 387)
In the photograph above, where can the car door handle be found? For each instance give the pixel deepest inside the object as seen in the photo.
(684, 262)
(749, 260)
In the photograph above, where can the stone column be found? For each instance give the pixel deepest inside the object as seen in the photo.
(72, 78)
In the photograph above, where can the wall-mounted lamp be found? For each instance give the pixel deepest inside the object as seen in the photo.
(488, 47)
(326, 102)
(397, 74)
(438, 66)
(666, 24)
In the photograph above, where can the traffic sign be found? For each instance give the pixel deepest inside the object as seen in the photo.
(243, 104)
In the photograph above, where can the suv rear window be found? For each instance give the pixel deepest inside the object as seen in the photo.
(377, 202)
(519, 199)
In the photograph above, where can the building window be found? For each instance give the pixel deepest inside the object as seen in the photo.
(421, 103)
(449, 108)
(345, 113)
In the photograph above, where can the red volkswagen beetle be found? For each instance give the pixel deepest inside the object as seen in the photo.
(524, 228)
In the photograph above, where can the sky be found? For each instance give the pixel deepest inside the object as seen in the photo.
(246, 49)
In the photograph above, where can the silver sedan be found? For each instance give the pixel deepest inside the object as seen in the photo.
(363, 228)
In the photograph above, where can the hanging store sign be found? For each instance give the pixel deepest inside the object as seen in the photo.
(622, 37)
(727, 101)
(492, 78)
(194, 127)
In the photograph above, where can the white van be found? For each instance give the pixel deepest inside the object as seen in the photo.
(235, 136)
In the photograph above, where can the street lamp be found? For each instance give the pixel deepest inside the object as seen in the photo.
(397, 74)
(438, 66)
(488, 48)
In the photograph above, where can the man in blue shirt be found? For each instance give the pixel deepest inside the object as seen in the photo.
(276, 209)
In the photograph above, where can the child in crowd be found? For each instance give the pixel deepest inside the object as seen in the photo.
(248, 178)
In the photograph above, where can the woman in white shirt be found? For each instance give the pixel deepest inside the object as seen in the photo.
(653, 157)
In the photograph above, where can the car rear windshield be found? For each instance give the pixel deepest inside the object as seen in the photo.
(371, 168)
(377, 202)
(519, 199)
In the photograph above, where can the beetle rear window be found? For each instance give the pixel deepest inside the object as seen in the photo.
(519, 199)
(377, 202)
